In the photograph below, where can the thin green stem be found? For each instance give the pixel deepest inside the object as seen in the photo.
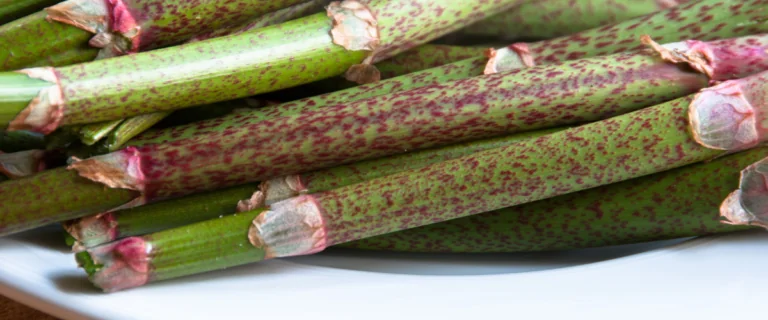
(106, 227)
(92, 133)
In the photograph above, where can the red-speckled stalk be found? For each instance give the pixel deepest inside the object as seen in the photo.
(13, 9)
(454, 71)
(672, 204)
(700, 20)
(286, 14)
(545, 19)
(281, 188)
(643, 142)
(117, 27)
(263, 60)
(748, 17)
(101, 228)
(515, 101)
(386, 125)
(423, 57)
(53, 196)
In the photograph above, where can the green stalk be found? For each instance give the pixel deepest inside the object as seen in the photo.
(134, 126)
(672, 204)
(633, 145)
(13, 9)
(264, 60)
(425, 117)
(20, 141)
(544, 19)
(106, 227)
(113, 28)
(751, 16)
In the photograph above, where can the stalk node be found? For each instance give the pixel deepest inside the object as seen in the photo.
(292, 227)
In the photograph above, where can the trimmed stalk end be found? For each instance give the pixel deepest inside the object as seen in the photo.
(355, 28)
(290, 228)
(749, 205)
(91, 231)
(115, 29)
(698, 55)
(282, 188)
(255, 202)
(44, 113)
(121, 169)
(513, 57)
(118, 265)
(722, 118)
(21, 164)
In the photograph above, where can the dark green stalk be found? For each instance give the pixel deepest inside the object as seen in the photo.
(544, 19)
(21, 140)
(210, 245)
(106, 227)
(633, 145)
(13, 9)
(673, 204)
(281, 56)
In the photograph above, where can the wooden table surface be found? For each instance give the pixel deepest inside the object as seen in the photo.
(12, 310)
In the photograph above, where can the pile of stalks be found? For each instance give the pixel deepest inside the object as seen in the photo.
(173, 137)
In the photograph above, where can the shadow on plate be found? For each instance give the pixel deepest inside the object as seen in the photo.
(471, 264)
(50, 237)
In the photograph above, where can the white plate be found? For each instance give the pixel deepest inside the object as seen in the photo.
(721, 277)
